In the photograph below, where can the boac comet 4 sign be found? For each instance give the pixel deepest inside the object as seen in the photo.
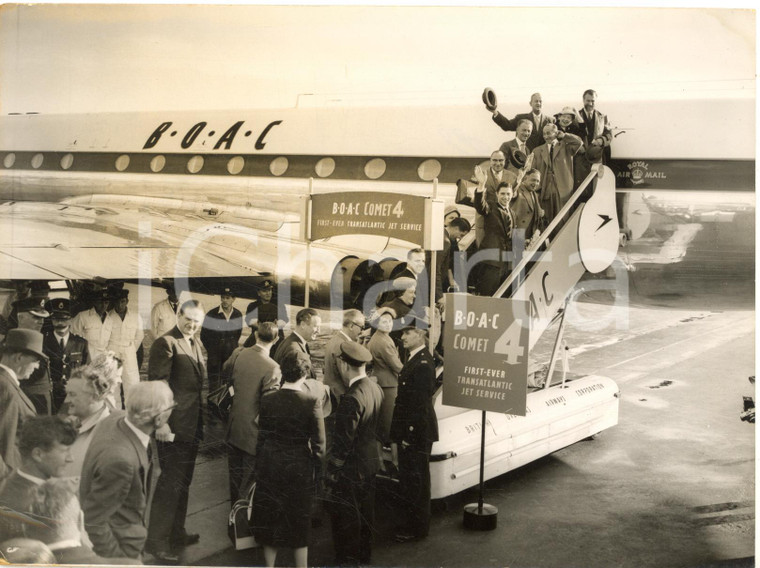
(486, 350)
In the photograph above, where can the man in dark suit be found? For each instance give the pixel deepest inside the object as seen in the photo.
(117, 472)
(496, 246)
(220, 335)
(414, 428)
(21, 354)
(45, 447)
(306, 329)
(65, 350)
(176, 358)
(525, 208)
(538, 119)
(354, 458)
(254, 374)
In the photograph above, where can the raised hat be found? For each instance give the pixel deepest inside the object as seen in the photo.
(27, 340)
(517, 159)
(60, 307)
(354, 354)
(489, 99)
(35, 306)
(594, 153)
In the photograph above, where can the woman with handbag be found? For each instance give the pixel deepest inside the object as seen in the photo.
(290, 445)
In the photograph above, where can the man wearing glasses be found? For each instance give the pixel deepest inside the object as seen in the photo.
(117, 475)
(353, 324)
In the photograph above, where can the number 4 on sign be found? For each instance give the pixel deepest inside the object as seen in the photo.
(398, 210)
(509, 343)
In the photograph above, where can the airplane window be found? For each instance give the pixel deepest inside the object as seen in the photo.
(9, 160)
(67, 161)
(122, 162)
(195, 164)
(429, 170)
(375, 168)
(37, 160)
(325, 167)
(235, 165)
(157, 163)
(278, 166)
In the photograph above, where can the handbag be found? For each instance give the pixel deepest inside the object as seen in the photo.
(239, 522)
(219, 401)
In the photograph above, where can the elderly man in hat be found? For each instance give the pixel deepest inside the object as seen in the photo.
(65, 350)
(94, 324)
(127, 333)
(21, 354)
(222, 328)
(265, 309)
(354, 458)
(414, 428)
(30, 313)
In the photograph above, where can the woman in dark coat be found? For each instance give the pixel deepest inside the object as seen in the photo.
(290, 444)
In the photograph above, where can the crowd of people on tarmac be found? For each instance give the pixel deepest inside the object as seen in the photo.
(96, 464)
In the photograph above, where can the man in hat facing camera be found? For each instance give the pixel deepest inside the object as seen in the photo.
(127, 333)
(222, 328)
(65, 350)
(21, 354)
(354, 458)
(414, 428)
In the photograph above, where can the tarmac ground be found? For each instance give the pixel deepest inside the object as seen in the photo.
(672, 485)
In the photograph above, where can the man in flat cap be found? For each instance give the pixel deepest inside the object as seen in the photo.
(354, 458)
(414, 428)
(65, 350)
(21, 354)
(30, 313)
(222, 328)
(127, 332)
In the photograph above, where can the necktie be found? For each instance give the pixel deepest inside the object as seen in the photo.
(103, 317)
(551, 152)
(308, 351)
(62, 345)
(150, 467)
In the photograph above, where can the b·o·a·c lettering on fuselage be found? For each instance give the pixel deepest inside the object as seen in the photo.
(200, 130)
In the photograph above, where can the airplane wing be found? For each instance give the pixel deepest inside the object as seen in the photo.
(65, 241)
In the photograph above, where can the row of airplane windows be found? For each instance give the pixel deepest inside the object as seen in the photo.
(374, 168)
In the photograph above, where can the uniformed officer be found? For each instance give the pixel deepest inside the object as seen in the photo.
(65, 350)
(354, 458)
(414, 428)
(264, 309)
(220, 335)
